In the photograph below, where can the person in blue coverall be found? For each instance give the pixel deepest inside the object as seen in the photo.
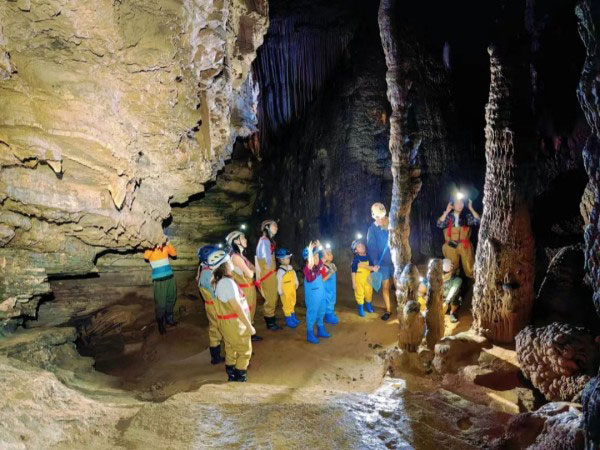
(379, 252)
(314, 293)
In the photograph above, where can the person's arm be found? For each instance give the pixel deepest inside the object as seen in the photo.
(242, 314)
(444, 218)
(475, 218)
(372, 243)
(239, 262)
(280, 274)
(147, 254)
(310, 262)
(353, 281)
(263, 251)
(296, 279)
(171, 250)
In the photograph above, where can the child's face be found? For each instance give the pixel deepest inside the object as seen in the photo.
(422, 289)
(360, 249)
(285, 261)
(327, 256)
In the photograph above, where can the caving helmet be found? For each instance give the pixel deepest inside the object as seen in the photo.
(204, 252)
(282, 253)
(217, 258)
(355, 243)
(233, 236)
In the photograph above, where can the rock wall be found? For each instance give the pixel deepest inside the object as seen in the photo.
(110, 112)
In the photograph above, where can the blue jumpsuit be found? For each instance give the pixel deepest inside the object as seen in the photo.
(314, 297)
(377, 241)
(330, 293)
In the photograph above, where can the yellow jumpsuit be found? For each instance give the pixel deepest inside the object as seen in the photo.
(363, 291)
(237, 337)
(463, 253)
(287, 291)
(214, 335)
(249, 290)
(268, 285)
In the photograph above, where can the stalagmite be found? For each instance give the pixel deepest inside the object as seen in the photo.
(404, 144)
(504, 264)
(434, 317)
(412, 324)
(588, 17)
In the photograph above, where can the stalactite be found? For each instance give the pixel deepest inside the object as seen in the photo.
(588, 17)
(412, 324)
(434, 316)
(292, 67)
(406, 182)
(504, 264)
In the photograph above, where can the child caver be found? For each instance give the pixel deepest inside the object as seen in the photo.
(208, 294)
(361, 268)
(314, 293)
(330, 287)
(287, 284)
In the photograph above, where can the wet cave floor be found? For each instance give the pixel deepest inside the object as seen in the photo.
(332, 395)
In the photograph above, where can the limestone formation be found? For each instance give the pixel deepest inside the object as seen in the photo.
(588, 18)
(553, 426)
(110, 112)
(404, 144)
(454, 352)
(559, 359)
(591, 415)
(504, 265)
(412, 323)
(434, 316)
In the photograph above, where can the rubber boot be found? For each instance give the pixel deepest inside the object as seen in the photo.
(311, 338)
(272, 324)
(361, 310)
(230, 373)
(240, 375)
(170, 320)
(369, 307)
(295, 319)
(289, 321)
(215, 355)
(161, 325)
(331, 319)
(256, 338)
(322, 332)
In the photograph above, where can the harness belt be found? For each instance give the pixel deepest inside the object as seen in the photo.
(231, 316)
(209, 302)
(266, 276)
(464, 242)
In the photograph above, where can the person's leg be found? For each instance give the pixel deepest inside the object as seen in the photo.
(453, 298)
(359, 296)
(312, 311)
(229, 336)
(171, 298)
(321, 331)
(243, 350)
(160, 298)
(452, 255)
(467, 259)
(269, 291)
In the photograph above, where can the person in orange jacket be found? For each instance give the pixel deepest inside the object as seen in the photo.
(165, 289)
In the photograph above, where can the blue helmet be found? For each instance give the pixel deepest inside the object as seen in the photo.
(355, 244)
(315, 251)
(281, 253)
(203, 252)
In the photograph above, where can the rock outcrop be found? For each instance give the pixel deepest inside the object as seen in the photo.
(434, 316)
(504, 264)
(110, 112)
(558, 359)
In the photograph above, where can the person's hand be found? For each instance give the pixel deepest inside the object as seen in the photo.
(252, 330)
(450, 207)
(376, 269)
(317, 243)
(311, 246)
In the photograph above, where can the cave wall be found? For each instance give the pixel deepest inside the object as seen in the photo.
(109, 113)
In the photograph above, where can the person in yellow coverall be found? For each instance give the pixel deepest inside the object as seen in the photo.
(165, 289)
(361, 269)
(233, 315)
(208, 294)
(265, 272)
(457, 224)
(243, 272)
(287, 284)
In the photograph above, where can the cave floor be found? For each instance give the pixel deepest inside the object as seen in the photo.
(332, 395)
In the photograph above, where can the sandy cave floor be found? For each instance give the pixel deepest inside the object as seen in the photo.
(331, 395)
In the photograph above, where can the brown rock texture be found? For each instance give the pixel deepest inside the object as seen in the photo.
(559, 359)
(504, 264)
(110, 112)
(404, 144)
(434, 316)
(588, 17)
(553, 426)
(412, 323)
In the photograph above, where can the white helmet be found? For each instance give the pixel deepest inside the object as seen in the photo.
(378, 211)
(233, 236)
(217, 258)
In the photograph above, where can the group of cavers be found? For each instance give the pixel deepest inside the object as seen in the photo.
(228, 282)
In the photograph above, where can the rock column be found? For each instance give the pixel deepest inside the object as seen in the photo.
(434, 317)
(504, 264)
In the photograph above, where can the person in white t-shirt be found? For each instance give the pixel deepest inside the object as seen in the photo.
(233, 316)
